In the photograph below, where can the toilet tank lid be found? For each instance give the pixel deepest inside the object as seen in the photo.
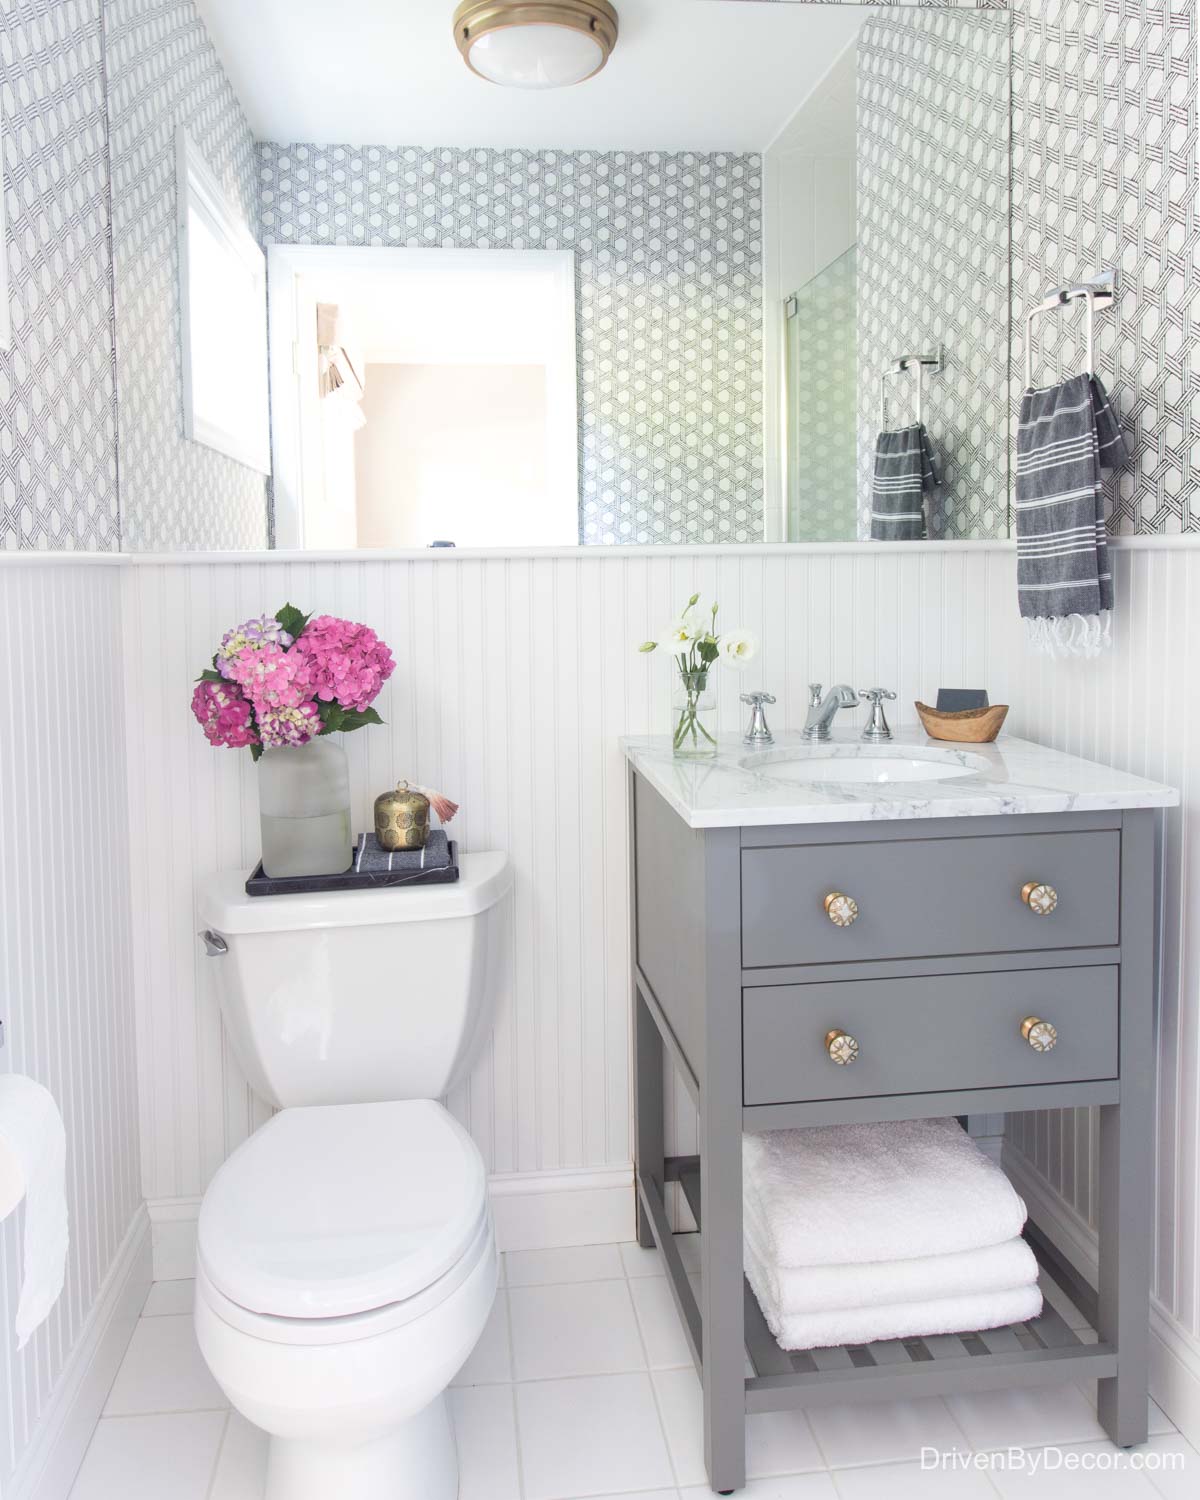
(484, 879)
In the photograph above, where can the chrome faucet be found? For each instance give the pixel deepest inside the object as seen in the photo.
(877, 725)
(757, 733)
(821, 710)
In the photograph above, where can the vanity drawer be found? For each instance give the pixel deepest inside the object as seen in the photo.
(920, 898)
(945, 1031)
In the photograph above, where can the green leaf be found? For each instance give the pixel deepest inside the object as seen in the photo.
(708, 650)
(208, 675)
(353, 719)
(255, 752)
(332, 715)
(648, 646)
(290, 618)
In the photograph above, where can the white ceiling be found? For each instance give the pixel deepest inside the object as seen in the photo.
(686, 75)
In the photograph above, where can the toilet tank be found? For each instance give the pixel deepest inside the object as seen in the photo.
(358, 996)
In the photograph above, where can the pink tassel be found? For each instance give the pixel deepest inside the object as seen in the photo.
(443, 806)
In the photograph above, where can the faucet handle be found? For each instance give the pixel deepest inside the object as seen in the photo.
(758, 733)
(877, 726)
(814, 695)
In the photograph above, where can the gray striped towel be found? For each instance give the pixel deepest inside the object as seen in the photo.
(370, 859)
(1068, 435)
(905, 472)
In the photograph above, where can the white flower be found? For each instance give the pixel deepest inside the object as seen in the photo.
(738, 647)
(677, 638)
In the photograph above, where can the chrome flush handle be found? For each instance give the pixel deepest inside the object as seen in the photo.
(214, 944)
(757, 732)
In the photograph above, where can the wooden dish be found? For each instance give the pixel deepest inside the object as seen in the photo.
(970, 726)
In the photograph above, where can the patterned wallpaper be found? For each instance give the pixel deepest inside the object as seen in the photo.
(1106, 173)
(668, 265)
(58, 480)
(163, 72)
(933, 250)
(1120, 72)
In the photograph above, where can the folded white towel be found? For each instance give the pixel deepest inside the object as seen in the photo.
(900, 1320)
(839, 1194)
(878, 1283)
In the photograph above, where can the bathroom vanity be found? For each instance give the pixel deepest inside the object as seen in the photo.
(837, 933)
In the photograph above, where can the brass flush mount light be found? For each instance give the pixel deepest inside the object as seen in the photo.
(544, 46)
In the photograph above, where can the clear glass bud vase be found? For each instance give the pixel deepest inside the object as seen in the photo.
(693, 716)
(304, 809)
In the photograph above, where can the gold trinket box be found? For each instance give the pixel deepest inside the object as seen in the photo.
(402, 818)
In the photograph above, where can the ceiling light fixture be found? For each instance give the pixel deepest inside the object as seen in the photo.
(526, 46)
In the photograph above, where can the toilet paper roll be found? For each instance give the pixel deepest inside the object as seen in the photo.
(33, 1166)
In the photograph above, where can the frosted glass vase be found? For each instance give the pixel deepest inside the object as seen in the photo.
(304, 809)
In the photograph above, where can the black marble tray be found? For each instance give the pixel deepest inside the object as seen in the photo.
(351, 880)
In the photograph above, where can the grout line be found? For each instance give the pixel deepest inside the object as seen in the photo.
(171, 1411)
(216, 1468)
(512, 1365)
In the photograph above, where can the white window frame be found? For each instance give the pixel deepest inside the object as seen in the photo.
(293, 362)
(5, 310)
(198, 190)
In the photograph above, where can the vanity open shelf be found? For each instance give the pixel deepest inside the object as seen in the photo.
(973, 946)
(1044, 1348)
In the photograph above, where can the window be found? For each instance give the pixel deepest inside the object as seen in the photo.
(223, 303)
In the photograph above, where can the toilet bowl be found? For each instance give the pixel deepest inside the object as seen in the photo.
(346, 1267)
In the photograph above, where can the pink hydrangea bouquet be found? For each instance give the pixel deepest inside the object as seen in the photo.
(285, 680)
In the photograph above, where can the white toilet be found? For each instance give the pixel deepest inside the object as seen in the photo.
(346, 1262)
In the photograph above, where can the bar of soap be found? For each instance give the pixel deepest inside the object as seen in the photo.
(955, 700)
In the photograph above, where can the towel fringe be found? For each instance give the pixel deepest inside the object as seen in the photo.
(1064, 636)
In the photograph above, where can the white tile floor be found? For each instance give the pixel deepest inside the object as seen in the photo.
(582, 1387)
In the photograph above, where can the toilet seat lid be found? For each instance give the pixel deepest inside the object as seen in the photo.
(337, 1209)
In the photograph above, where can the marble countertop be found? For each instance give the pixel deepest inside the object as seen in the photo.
(740, 788)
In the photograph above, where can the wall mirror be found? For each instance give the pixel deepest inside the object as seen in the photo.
(720, 291)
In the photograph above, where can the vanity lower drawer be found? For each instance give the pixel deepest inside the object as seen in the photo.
(946, 1031)
(928, 897)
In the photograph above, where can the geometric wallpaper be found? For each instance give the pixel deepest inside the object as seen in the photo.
(163, 72)
(1113, 179)
(668, 252)
(58, 480)
(933, 252)
(1104, 172)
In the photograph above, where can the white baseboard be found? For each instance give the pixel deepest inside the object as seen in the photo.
(533, 1211)
(1174, 1351)
(50, 1462)
(552, 1210)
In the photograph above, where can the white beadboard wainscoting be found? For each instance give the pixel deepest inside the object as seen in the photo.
(1137, 708)
(66, 999)
(515, 677)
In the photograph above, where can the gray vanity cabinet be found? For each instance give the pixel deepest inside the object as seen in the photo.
(947, 952)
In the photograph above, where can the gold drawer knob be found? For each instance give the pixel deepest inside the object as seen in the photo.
(1040, 1035)
(841, 1046)
(840, 908)
(1041, 899)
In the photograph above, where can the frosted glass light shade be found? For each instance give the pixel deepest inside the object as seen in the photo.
(536, 57)
(535, 44)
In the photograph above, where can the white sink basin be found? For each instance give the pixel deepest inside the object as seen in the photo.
(866, 768)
